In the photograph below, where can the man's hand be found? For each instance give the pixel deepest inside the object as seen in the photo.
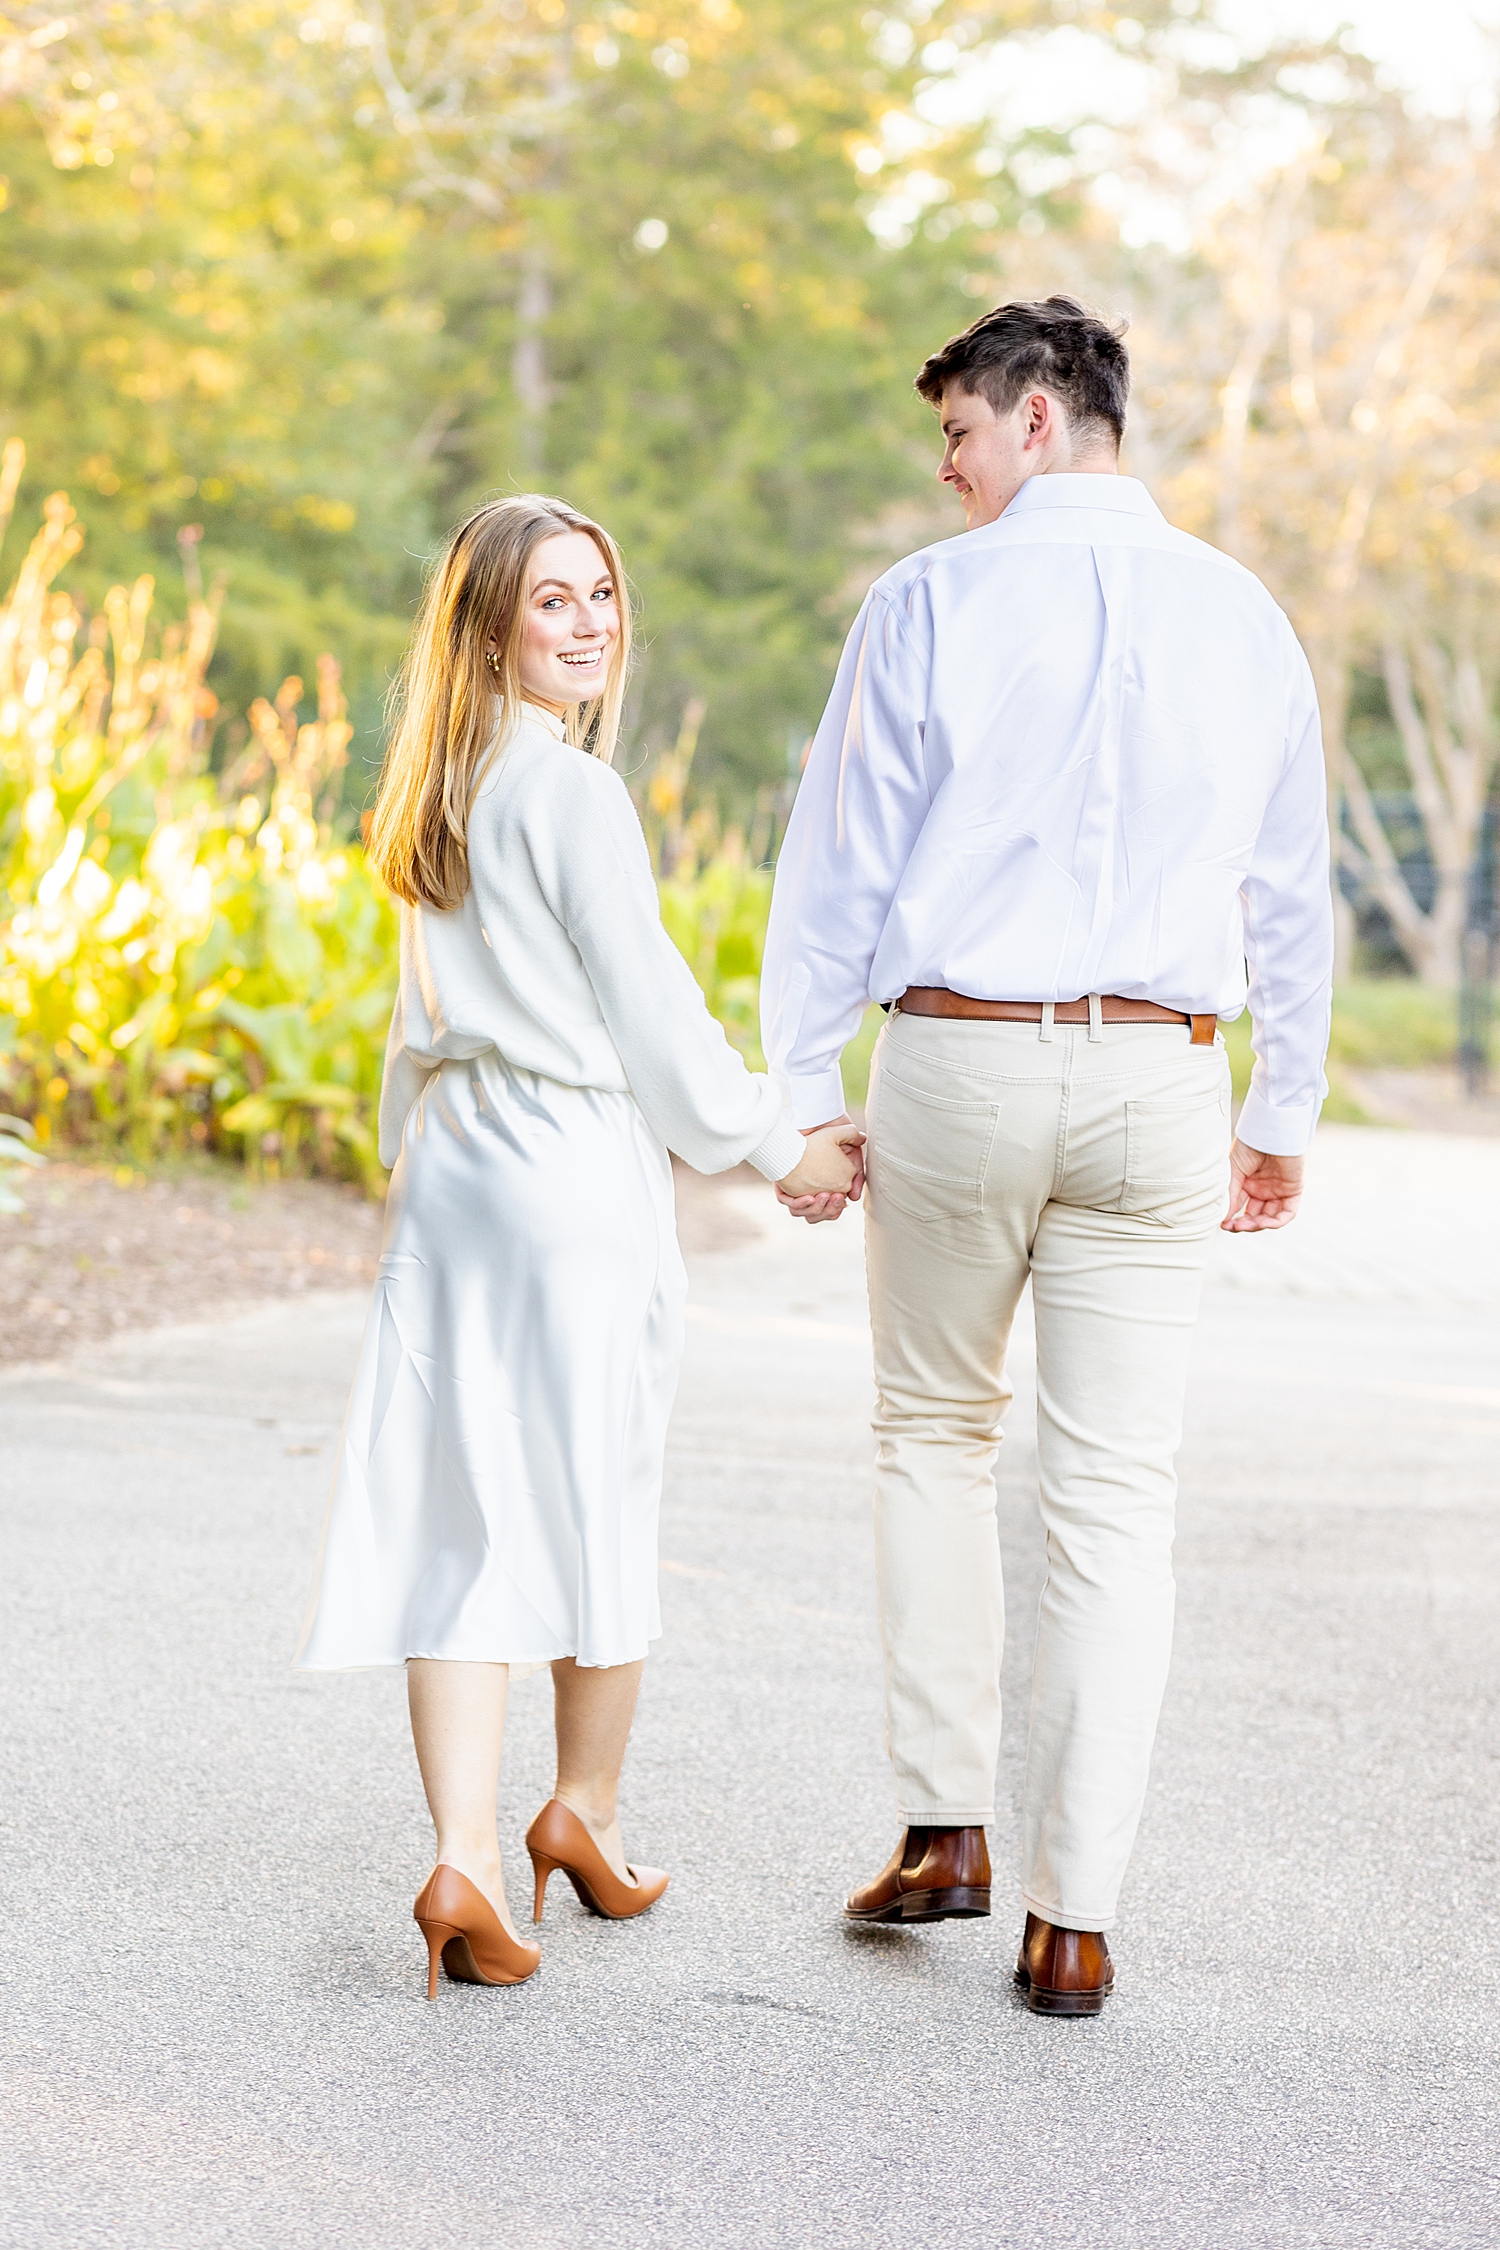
(1264, 1191)
(829, 1206)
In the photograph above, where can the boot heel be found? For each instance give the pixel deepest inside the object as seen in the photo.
(437, 1935)
(543, 1868)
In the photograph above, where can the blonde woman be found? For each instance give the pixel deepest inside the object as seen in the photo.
(495, 1506)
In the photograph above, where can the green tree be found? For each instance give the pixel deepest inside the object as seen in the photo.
(317, 278)
(212, 328)
(707, 342)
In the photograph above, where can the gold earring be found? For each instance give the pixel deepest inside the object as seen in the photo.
(492, 659)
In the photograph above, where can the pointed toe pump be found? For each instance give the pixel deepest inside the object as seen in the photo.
(466, 1937)
(558, 1838)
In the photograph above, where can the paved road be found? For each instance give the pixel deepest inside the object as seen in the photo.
(216, 2032)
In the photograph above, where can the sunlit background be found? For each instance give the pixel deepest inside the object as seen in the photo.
(286, 289)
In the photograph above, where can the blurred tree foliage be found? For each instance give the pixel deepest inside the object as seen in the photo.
(1317, 392)
(319, 277)
(187, 337)
(1354, 464)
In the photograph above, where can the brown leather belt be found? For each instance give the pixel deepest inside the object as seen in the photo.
(937, 1000)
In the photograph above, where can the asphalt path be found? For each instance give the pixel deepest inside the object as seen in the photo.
(215, 2028)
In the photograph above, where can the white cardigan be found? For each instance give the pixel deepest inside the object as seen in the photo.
(558, 960)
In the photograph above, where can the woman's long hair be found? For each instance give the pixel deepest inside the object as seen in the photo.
(451, 712)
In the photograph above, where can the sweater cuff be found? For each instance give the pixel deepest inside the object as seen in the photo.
(1276, 1131)
(780, 1152)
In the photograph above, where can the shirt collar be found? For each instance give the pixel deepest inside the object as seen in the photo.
(1068, 488)
(547, 719)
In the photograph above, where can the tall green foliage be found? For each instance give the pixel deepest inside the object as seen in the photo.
(183, 960)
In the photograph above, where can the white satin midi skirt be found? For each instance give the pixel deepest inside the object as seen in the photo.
(499, 1480)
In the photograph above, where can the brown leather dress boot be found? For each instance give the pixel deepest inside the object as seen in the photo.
(933, 1875)
(1064, 1972)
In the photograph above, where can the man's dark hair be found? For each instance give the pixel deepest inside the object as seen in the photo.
(1059, 346)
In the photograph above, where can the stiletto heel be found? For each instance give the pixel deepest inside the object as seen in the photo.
(466, 1937)
(437, 1935)
(558, 1838)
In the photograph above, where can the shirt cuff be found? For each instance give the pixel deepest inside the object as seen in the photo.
(780, 1152)
(816, 1098)
(1276, 1132)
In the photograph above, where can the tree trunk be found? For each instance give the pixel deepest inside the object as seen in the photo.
(528, 363)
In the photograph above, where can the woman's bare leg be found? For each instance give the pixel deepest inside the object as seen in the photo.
(458, 1726)
(594, 1711)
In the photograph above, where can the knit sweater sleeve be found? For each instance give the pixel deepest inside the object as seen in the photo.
(403, 1077)
(695, 1092)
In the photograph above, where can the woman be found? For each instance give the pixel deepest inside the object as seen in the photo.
(496, 1500)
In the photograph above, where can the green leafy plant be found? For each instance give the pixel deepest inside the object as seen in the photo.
(185, 959)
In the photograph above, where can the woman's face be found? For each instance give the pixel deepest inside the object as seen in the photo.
(572, 622)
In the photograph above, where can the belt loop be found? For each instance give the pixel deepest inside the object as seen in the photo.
(1096, 1018)
(1046, 1030)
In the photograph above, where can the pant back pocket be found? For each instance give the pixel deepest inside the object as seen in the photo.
(1176, 1148)
(927, 1154)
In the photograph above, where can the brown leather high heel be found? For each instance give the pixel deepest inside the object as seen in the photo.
(466, 1936)
(558, 1838)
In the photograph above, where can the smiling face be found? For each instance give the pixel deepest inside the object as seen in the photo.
(571, 625)
(987, 457)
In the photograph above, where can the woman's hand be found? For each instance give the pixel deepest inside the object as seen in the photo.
(830, 1172)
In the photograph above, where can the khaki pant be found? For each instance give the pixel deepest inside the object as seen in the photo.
(1098, 1165)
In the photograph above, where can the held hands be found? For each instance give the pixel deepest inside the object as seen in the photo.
(1264, 1191)
(831, 1173)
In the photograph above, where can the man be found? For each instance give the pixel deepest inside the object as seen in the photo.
(1069, 784)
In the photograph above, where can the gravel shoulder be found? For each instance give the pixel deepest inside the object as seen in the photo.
(109, 1250)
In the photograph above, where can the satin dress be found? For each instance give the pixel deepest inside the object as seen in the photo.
(499, 1478)
(501, 1461)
